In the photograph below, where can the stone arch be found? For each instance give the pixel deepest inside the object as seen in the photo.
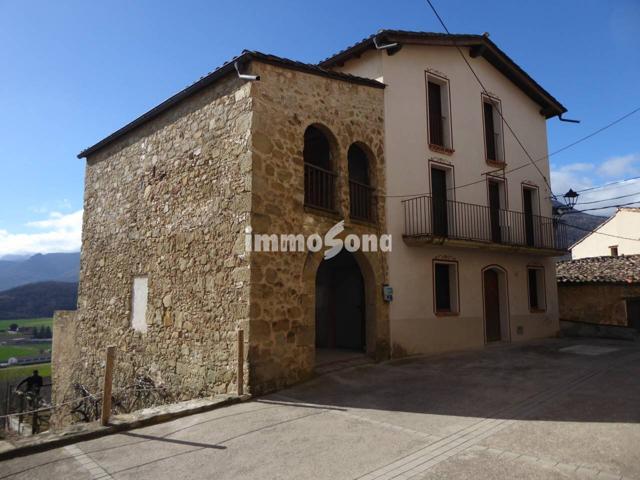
(309, 274)
(495, 277)
(370, 158)
(320, 147)
(362, 171)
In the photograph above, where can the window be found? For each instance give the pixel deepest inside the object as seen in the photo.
(497, 215)
(439, 114)
(535, 277)
(492, 130)
(531, 217)
(360, 190)
(445, 278)
(613, 250)
(319, 178)
(442, 207)
(139, 304)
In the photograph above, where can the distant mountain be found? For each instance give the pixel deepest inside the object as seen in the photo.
(578, 224)
(59, 267)
(38, 300)
(12, 257)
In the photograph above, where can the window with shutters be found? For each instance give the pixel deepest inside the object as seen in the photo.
(439, 114)
(493, 134)
(445, 287)
(535, 283)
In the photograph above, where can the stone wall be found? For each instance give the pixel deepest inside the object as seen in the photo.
(282, 325)
(169, 201)
(595, 303)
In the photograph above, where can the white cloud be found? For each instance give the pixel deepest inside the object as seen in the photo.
(58, 233)
(620, 167)
(582, 175)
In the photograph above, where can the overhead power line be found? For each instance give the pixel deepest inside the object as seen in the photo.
(609, 199)
(602, 233)
(607, 185)
(531, 160)
(603, 208)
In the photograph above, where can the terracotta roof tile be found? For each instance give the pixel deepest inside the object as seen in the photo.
(622, 269)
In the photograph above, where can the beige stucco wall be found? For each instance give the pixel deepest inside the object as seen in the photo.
(596, 303)
(282, 327)
(414, 327)
(625, 223)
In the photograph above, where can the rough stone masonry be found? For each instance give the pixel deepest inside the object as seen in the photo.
(169, 201)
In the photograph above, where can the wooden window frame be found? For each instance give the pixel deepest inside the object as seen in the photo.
(543, 288)
(442, 81)
(453, 312)
(613, 248)
(496, 103)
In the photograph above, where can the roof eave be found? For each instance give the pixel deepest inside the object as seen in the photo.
(487, 49)
(211, 78)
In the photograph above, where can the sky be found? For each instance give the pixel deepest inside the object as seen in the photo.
(72, 72)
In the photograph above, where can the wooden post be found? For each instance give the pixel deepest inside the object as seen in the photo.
(108, 384)
(240, 373)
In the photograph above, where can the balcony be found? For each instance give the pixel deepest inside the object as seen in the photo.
(428, 220)
(319, 187)
(361, 201)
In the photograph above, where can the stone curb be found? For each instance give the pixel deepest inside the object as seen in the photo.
(119, 423)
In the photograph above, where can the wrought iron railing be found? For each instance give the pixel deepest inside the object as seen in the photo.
(425, 216)
(319, 187)
(361, 201)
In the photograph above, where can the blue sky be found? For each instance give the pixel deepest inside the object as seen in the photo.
(74, 71)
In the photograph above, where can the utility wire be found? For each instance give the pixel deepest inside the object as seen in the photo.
(519, 167)
(609, 199)
(602, 233)
(604, 208)
(607, 185)
(531, 160)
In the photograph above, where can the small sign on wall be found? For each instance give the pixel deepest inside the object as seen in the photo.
(387, 293)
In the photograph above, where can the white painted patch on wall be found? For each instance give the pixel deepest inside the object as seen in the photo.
(139, 304)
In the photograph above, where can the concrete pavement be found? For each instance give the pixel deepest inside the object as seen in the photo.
(541, 410)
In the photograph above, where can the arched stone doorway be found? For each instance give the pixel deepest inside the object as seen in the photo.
(496, 304)
(340, 309)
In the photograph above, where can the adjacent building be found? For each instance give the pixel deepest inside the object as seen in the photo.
(475, 264)
(600, 291)
(619, 235)
(393, 135)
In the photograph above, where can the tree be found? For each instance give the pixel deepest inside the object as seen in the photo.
(13, 327)
(48, 333)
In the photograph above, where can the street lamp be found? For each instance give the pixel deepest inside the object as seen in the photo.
(571, 198)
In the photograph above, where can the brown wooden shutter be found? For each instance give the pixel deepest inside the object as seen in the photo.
(436, 136)
(489, 131)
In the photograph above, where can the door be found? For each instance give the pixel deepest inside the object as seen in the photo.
(633, 313)
(527, 198)
(494, 211)
(492, 305)
(439, 202)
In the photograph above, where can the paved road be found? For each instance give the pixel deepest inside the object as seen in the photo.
(529, 411)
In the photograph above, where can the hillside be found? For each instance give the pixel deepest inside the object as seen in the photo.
(57, 267)
(579, 224)
(38, 299)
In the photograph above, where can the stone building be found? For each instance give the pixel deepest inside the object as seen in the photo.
(600, 291)
(269, 146)
(165, 273)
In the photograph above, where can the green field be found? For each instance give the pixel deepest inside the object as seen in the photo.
(15, 374)
(24, 350)
(27, 322)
